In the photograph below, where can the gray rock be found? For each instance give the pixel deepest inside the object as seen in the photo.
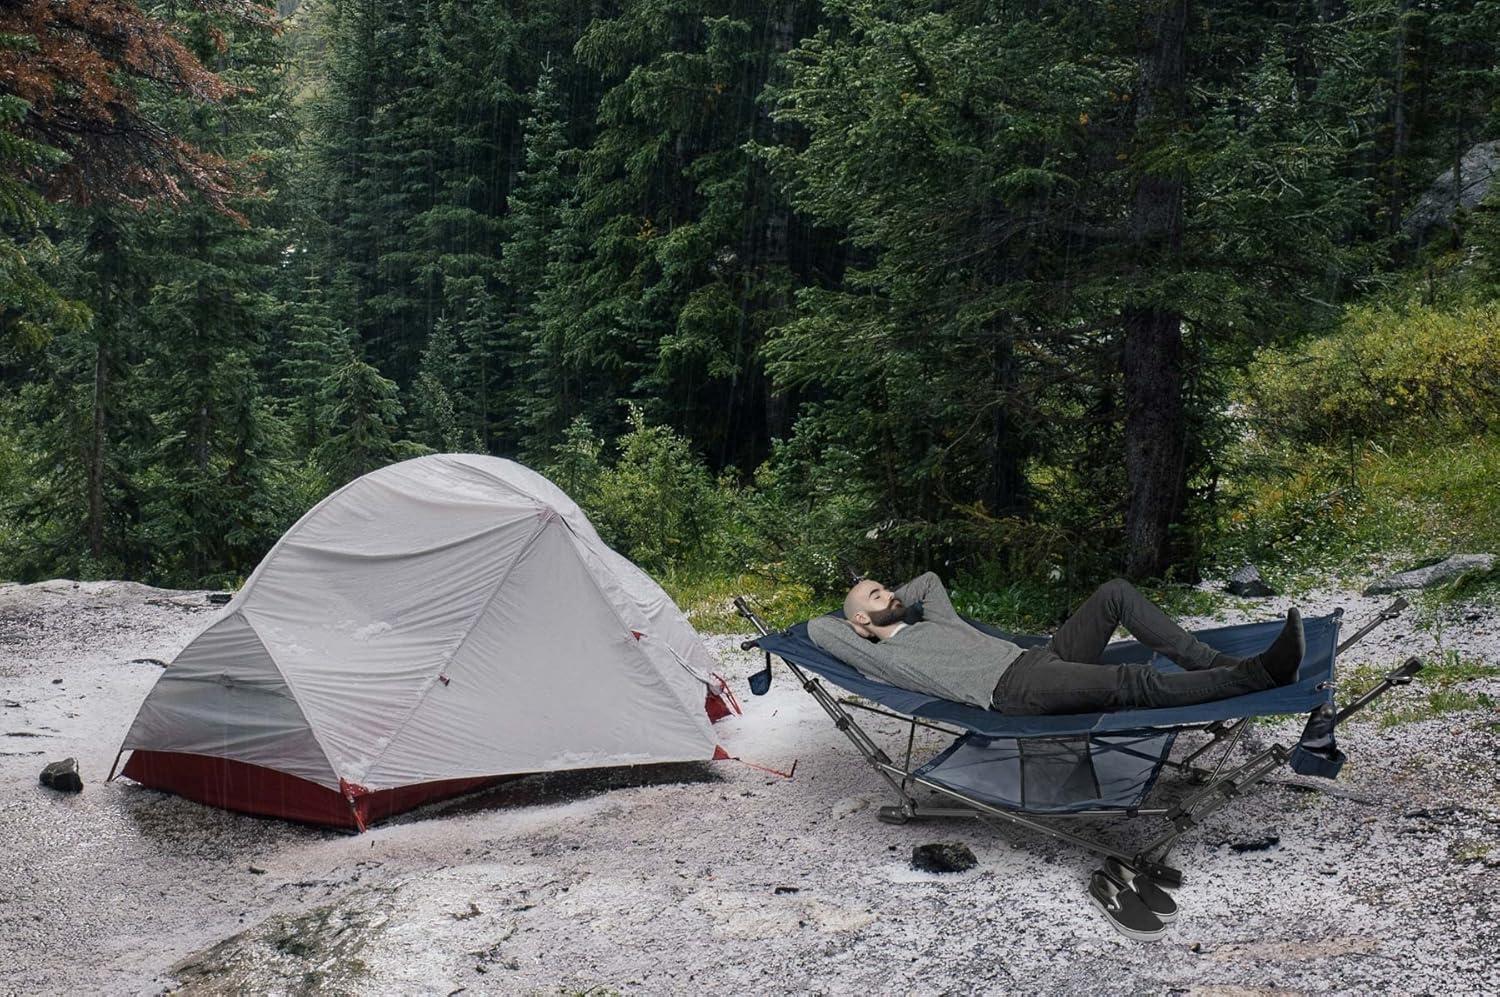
(1432, 574)
(63, 776)
(1246, 581)
(220, 598)
(1478, 168)
(943, 856)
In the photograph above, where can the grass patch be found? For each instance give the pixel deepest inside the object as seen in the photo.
(1322, 511)
(1021, 606)
(1439, 684)
(1437, 703)
(708, 601)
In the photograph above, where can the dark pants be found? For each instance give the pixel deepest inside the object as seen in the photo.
(1065, 675)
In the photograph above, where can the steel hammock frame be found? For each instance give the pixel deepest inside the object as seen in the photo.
(1219, 786)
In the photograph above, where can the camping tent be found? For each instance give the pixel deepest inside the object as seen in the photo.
(423, 630)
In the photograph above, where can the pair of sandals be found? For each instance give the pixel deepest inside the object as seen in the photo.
(1134, 902)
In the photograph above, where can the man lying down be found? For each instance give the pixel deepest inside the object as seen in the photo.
(886, 636)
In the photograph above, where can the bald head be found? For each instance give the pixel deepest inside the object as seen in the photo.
(871, 604)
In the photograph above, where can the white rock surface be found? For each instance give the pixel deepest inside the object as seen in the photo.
(641, 886)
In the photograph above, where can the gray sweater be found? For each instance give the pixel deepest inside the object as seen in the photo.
(940, 654)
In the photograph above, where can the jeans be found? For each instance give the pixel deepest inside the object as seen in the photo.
(1065, 676)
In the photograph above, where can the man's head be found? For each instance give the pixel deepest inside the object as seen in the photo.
(870, 603)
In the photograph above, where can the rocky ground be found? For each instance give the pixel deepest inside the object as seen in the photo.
(720, 878)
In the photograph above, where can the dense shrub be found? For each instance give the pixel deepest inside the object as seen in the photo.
(1382, 367)
(655, 502)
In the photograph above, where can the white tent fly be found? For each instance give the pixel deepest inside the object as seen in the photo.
(428, 627)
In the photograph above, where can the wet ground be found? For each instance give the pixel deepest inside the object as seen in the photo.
(713, 878)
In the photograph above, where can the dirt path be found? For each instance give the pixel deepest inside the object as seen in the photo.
(710, 878)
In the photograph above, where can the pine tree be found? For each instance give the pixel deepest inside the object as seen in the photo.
(362, 411)
(538, 251)
(312, 345)
(659, 307)
(214, 467)
(1065, 219)
(436, 395)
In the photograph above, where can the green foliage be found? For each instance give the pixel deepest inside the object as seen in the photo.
(1376, 445)
(1383, 368)
(859, 267)
(362, 412)
(31, 308)
(656, 503)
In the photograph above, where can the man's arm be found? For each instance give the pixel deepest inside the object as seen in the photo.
(928, 589)
(839, 639)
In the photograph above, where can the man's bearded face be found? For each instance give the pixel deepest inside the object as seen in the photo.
(893, 612)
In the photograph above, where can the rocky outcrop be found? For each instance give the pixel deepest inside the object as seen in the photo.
(1477, 170)
(1433, 574)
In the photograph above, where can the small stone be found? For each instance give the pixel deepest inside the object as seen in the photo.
(943, 856)
(57, 681)
(1259, 844)
(1196, 948)
(1246, 582)
(63, 776)
(784, 890)
(257, 870)
(220, 598)
(1328, 870)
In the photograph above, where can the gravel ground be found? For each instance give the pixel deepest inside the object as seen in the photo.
(718, 878)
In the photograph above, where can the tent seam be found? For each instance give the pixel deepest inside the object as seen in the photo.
(688, 708)
(468, 632)
(457, 542)
(296, 696)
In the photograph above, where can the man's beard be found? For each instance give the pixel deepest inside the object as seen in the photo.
(894, 612)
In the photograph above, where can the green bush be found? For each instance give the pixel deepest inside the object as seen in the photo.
(656, 503)
(1382, 368)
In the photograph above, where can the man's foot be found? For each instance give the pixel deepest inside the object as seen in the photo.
(1284, 656)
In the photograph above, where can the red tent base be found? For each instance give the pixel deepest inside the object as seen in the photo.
(255, 789)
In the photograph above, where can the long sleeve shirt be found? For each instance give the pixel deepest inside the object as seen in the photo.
(940, 654)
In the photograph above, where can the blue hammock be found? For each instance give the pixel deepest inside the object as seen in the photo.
(1032, 770)
(1310, 691)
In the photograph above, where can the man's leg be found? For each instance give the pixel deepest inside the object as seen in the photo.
(1084, 635)
(1039, 682)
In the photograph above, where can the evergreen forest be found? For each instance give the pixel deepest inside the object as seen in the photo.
(1029, 293)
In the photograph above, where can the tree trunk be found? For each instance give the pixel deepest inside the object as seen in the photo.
(97, 451)
(1400, 128)
(774, 245)
(1006, 485)
(1153, 354)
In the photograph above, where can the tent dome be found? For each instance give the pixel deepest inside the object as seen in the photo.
(424, 629)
